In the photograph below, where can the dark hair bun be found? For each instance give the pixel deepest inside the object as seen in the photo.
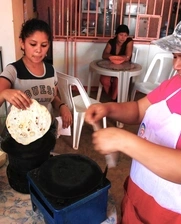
(122, 29)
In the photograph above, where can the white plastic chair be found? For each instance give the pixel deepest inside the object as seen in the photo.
(78, 104)
(160, 69)
(133, 59)
(134, 54)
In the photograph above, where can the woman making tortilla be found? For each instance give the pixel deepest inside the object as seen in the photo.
(153, 188)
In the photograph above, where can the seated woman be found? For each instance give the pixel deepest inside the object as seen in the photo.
(121, 45)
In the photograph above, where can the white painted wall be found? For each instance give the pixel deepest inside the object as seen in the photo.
(11, 19)
(87, 52)
(18, 19)
(7, 32)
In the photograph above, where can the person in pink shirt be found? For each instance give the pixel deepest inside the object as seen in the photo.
(153, 188)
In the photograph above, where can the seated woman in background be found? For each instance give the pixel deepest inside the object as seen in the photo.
(121, 45)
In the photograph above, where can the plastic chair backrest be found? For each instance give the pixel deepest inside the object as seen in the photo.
(172, 73)
(134, 54)
(63, 89)
(78, 103)
(65, 84)
(159, 68)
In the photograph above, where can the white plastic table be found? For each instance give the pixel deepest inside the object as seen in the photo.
(123, 72)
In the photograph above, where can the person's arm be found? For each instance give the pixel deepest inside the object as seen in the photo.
(106, 53)
(129, 50)
(4, 84)
(63, 110)
(128, 112)
(163, 161)
(13, 96)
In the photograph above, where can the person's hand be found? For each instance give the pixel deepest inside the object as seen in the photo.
(16, 98)
(95, 113)
(66, 116)
(109, 140)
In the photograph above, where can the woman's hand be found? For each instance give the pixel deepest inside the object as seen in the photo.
(66, 116)
(108, 140)
(16, 98)
(95, 113)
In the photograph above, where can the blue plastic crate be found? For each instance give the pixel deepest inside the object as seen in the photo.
(91, 209)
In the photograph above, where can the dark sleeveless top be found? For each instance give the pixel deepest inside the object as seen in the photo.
(112, 42)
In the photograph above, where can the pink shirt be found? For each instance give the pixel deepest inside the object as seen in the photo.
(163, 91)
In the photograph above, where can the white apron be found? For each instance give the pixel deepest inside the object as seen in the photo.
(161, 127)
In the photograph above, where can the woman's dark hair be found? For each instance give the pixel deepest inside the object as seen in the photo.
(33, 25)
(122, 29)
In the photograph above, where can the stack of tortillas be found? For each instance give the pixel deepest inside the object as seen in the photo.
(26, 126)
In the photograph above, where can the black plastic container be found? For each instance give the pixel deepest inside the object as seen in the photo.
(24, 158)
(70, 188)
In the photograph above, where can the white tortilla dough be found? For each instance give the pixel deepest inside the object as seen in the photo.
(26, 126)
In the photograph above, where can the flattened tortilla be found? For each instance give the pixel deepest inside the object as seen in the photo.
(26, 126)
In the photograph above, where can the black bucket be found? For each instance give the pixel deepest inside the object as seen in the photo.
(24, 158)
(67, 178)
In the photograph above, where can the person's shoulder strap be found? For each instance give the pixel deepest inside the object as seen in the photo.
(17, 64)
(123, 48)
(129, 39)
(22, 72)
(112, 42)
